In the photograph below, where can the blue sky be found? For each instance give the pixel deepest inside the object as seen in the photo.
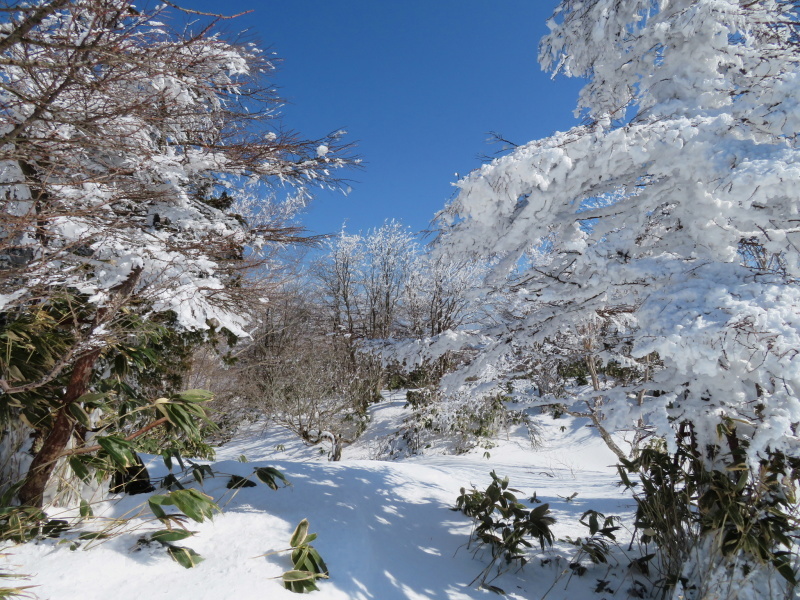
(418, 84)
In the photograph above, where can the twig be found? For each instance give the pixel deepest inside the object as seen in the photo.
(132, 436)
(204, 14)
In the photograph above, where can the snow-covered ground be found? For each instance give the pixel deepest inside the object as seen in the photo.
(385, 528)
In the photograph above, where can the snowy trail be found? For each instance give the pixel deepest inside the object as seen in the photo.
(385, 528)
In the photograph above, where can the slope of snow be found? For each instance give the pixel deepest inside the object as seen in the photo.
(384, 527)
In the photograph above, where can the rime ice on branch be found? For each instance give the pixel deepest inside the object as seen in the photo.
(668, 221)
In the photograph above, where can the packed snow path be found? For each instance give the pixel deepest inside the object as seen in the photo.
(384, 527)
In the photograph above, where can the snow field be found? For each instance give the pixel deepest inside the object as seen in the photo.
(384, 527)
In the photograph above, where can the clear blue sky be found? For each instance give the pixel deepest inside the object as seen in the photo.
(418, 84)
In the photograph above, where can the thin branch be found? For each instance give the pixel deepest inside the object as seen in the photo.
(32, 21)
(204, 14)
(131, 437)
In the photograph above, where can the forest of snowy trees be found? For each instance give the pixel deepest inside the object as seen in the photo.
(637, 270)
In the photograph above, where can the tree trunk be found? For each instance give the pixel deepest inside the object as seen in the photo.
(44, 463)
(592, 414)
(32, 491)
(604, 434)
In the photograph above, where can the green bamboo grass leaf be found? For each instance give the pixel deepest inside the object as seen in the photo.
(299, 535)
(300, 582)
(79, 468)
(14, 374)
(80, 415)
(320, 565)
(185, 557)
(299, 576)
(194, 504)
(119, 450)
(92, 397)
(200, 472)
(170, 535)
(156, 502)
(196, 396)
(269, 476)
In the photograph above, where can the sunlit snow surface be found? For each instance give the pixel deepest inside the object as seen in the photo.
(385, 528)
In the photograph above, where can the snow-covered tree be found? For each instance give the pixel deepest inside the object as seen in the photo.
(338, 275)
(438, 296)
(671, 213)
(389, 255)
(667, 221)
(363, 278)
(138, 169)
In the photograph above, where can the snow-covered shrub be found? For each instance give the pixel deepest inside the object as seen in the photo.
(459, 425)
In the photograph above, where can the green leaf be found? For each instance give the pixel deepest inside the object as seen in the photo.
(186, 557)
(540, 511)
(170, 535)
(268, 475)
(306, 558)
(55, 527)
(299, 576)
(92, 397)
(299, 535)
(300, 581)
(196, 396)
(624, 477)
(742, 482)
(86, 509)
(79, 468)
(200, 472)
(80, 415)
(301, 586)
(156, 502)
(169, 454)
(321, 567)
(182, 419)
(494, 588)
(171, 481)
(119, 450)
(194, 504)
(299, 559)
(782, 562)
(14, 374)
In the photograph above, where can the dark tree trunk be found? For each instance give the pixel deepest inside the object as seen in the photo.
(32, 491)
